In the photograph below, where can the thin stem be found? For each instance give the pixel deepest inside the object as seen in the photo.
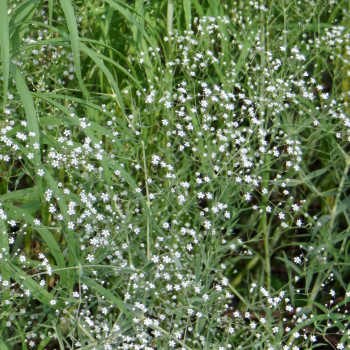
(171, 336)
(170, 16)
(148, 202)
(240, 297)
(336, 200)
(80, 267)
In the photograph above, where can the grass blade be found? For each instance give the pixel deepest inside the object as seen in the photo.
(36, 290)
(245, 50)
(26, 194)
(3, 345)
(18, 25)
(106, 293)
(74, 39)
(5, 274)
(187, 10)
(18, 213)
(50, 3)
(94, 126)
(29, 108)
(107, 73)
(5, 47)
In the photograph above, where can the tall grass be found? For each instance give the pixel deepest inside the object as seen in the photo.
(174, 175)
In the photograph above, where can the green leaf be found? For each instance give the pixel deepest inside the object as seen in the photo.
(74, 39)
(3, 345)
(71, 236)
(199, 7)
(35, 289)
(187, 10)
(28, 105)
(92, 54)
(22, 13)
(132, 76)
(106, 293)
(19, 213)
(245, 49)
(75, 121)
(50, 3)
(5, 273)
(26, 194)
(316, 173)
(5, 47)
(116, 166)
(289, 264)
(124, 9)
(19, 23)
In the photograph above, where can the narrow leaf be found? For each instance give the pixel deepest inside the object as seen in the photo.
(29, 108)
(187, 10)
(106, 293)
(74, 39)
(5, 47)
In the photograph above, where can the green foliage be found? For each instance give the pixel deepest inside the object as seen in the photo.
(174, 174)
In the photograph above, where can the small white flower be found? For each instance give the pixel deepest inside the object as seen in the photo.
(90, 258)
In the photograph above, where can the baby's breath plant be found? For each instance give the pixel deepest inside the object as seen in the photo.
(174, 175)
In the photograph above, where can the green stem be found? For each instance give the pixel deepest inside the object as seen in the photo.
(316, 288)
(336, 200)
(148, 202)
(264, 225)
(170, 16)
(171, 336)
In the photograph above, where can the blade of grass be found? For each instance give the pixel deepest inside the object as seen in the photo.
(170, 17)
(3, 345)
(26, 194)
(72, 239)
(50, 5)
(29, 108)
(214, 6)
(106, 293)
(74, 39)
(21, 334)
(107, 73)
(199, 7)
(21, 14)
(19, 213)
(187, 10)
(5, 47)
(124, 9)
(5, 274)
(75, 121)
(116, 64)
(35, 289)
(245, 50)
(139, 8)
(20, 19)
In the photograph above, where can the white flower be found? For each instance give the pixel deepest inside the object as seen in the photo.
(90, 258)
(247, 196)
